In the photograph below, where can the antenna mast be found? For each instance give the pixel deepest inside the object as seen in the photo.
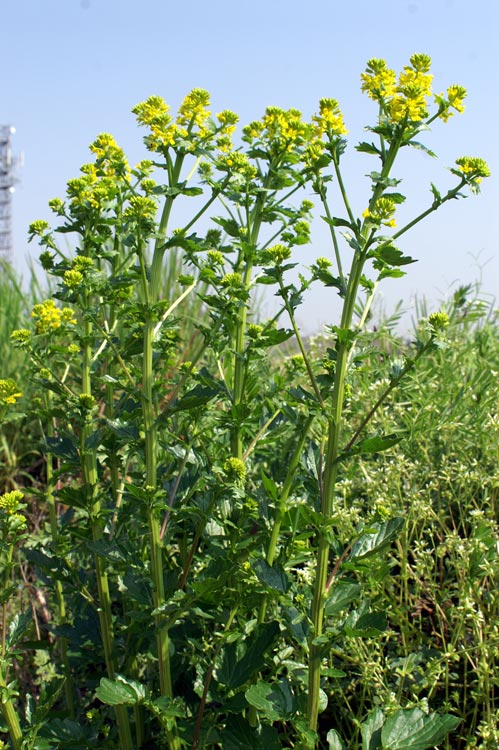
(7, 181)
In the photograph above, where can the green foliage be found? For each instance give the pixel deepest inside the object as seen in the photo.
(215, 566)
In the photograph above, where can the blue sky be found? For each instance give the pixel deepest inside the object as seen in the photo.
(74, 68)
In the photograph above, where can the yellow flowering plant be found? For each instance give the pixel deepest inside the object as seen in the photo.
(198, 478)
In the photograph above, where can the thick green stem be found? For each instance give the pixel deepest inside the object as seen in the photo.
(151, 294)
(11, 719)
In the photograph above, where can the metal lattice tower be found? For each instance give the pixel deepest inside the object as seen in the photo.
(7, 181)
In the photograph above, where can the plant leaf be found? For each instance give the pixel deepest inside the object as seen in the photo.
(411, 729)
(371, 730)
(240, 735)
(334, 740)
(235, 672)
(379, 535)
(341, 594)
(271, 575)
(120, 691)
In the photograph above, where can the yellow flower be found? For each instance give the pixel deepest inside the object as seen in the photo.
(141, 207)
(20, 337)
(405, 99)
(228, 121)
(382, 212)
(154, 114)
(378, 81)
(10, 501)
(9, 392)
(49, 318)
(473, 168)
(193, 110)
(234, 469)
(314, 152)
(73, 278)
(280, 130)
(238, 163)
(329, 120)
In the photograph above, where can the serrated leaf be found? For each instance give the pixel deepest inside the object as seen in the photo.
(391, 273)
(368, 625)
(198, 396)
(379, 535)
(235, 671)
(62, 448)
(120, 691)
(392, 256)
(17, 628)
(411, 729)
(240, 735)
(341, 594)
(335, 221)
(368, 148)
(274, 700)
(272, 576)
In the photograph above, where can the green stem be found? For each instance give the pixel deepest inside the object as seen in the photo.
(151, 294)
(11, 719)
(322, 194)
(90, 478)
(434, 207)
(299, 340)
(330, 471)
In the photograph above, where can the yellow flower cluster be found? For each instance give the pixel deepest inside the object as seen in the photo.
(49, 317)
(473, 168)
(283, 130)
(111, 160)
(276, 254)
(9, 501)
(405, 99)
(9, 392)
(193, 111)
(238, 163)
(234, 469)
(455, 98)
(75, 275)
(38, 227)
(329, 120)
(232, 280)
(141, 207)
(438, 321)
(91, 189)
(154, 114)
(192, 122)
(73, 278)
(20, 338)
(382, 212)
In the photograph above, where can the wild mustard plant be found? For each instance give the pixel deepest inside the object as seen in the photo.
(209, 490)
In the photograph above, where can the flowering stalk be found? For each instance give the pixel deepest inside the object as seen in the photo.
(402, 108)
